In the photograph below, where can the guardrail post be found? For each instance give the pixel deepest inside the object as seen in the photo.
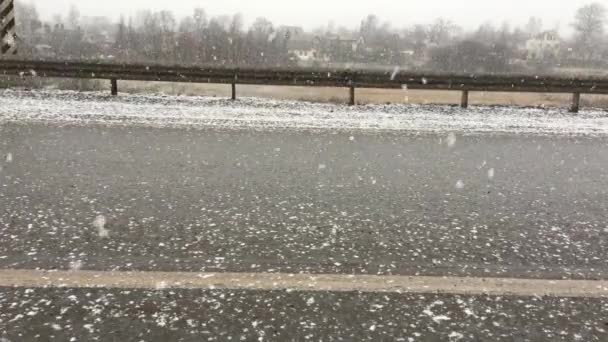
(464, 100)
(234, 86)
(350, 76)
(576, 102)
(114, 86)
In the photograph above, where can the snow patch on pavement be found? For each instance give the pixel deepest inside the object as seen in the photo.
(69, 107)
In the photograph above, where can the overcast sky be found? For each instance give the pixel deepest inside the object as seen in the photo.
(312, 13)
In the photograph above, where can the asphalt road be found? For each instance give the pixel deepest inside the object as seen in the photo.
(180, 200)
(212, 315)
(146, 199)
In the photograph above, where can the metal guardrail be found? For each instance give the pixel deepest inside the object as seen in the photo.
(311, 77)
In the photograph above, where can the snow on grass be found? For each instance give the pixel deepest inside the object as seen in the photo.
(68, 107)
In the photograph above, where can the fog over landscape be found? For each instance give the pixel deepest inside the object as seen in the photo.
(309, 14)
(473, 36)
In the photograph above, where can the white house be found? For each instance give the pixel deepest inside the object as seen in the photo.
(545, 45)
(303, 50)
(307, 52)
(44, 51)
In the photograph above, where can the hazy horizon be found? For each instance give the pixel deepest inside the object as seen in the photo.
(314, 13)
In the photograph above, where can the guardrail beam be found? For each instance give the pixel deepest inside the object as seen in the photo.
(319, 77)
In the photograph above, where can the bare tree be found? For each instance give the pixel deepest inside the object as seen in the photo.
(441, 31)
(589, 24)
(533, 27)
(259, 37)
(418, 36)
(73, 17)
(369, 27)
(28, 27)
(236, 43)
(262, 29)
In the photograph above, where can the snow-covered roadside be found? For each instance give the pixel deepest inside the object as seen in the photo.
(67, 107)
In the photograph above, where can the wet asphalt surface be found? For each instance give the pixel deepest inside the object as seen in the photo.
(303, 201)
(212, 315)
(296, 201)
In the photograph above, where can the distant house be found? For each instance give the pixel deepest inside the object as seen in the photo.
(44, 51)
(102, 39)
(346, 43)
(307, 51)
(303, 50)
(343, 49)
(545, 45)
(310, 50)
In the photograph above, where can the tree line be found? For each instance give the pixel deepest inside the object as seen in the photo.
(161, 37)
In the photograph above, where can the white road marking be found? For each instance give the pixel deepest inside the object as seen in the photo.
(304, 282)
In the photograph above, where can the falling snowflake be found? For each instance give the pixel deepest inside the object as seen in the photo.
(322, 166)
(310, 301)
(436, 318)
(89, 328)
(161, 321)
(491, 174)
(451, 140)
(76, 265)
(460, 184)
(99, 223)
(395, 72)
(455, 336)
